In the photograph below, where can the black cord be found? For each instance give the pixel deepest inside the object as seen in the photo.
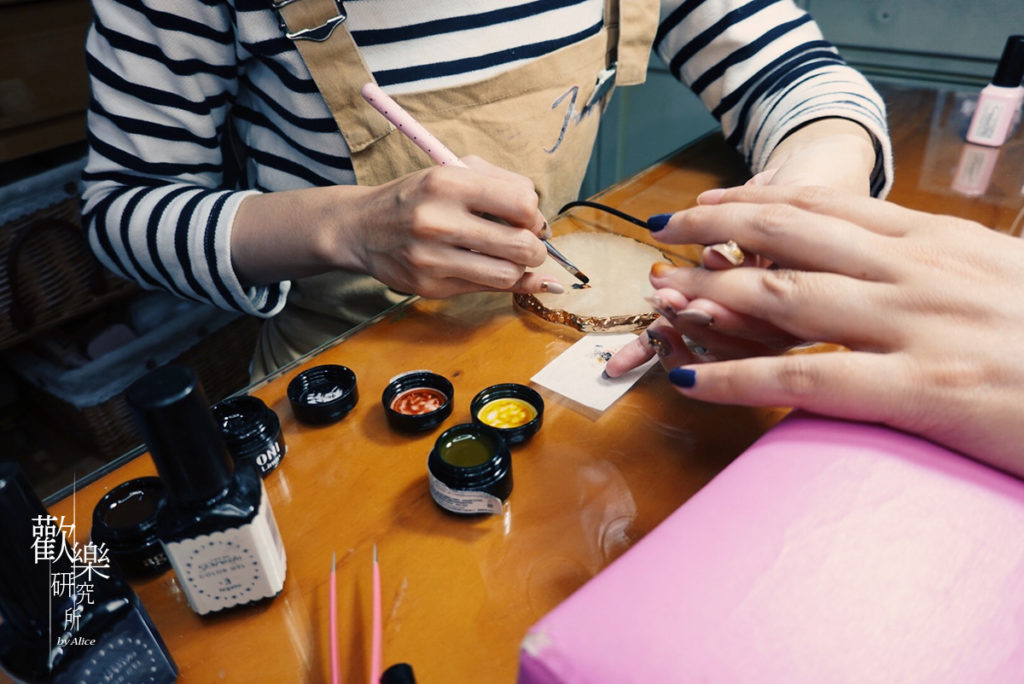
(604, 207)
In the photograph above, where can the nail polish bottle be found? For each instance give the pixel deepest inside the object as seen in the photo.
(1000, 102)
(216, 525)
(111, 639)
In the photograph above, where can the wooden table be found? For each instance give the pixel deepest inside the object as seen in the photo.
(458, 593)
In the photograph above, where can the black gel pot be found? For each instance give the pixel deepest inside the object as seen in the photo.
(125, 521)
(470, 470)
(323, 394)
(409, 416)
(251, 431)
(517, 432)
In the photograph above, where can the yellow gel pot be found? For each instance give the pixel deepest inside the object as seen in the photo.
(515, 411)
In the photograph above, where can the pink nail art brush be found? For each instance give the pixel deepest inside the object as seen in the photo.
(436, 150)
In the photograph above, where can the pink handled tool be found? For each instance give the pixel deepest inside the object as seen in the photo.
(335, 667)
(376, 645)
(435, 149)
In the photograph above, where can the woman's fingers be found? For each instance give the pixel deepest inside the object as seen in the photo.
(488, 272)
(811, 306)
(630, 356)
(659, 339)
(789, 236)
(466, 190)
(870, 214)
(854, 385)
(534, 283)
(536, 222)
(712, 315)
(486, 236)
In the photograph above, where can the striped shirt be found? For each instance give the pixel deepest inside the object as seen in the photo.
(169, 77)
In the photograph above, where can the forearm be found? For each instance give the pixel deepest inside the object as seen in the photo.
(765, 71)
(291, 234)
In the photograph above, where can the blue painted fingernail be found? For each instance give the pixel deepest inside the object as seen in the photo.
(683, 377)
(657, 222)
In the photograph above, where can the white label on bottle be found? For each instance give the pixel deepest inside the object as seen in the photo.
(463, 501)
(974, 171)
(231, 567)
(990, 123)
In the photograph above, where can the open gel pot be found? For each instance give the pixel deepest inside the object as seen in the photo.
(470, 470)
(417, 401)
(515, 411)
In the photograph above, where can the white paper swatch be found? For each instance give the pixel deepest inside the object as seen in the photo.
(578, 372)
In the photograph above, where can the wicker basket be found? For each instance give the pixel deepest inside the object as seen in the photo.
(48, 275)
(220, 360)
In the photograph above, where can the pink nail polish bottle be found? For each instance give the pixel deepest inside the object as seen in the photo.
(1001, 100)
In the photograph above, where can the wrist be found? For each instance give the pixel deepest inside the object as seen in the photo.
(858, 143)
(340, 215)
(295, 233)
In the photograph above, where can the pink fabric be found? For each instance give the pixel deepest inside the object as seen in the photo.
(828, 552)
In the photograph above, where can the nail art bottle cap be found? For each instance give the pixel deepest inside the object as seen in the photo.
(251, 431)
(125, 520)
(1010, 70)
(399, 673)
(323, 394)
(24, 585)
(174, 417)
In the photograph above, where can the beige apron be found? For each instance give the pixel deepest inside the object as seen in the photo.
(539, 120)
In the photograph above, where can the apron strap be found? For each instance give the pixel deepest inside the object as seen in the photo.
(632, 25)
(336, 66)
(339, 71)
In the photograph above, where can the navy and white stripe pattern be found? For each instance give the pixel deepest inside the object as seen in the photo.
(763, 69)
(173, 79)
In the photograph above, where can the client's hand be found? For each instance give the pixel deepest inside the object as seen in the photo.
(832, 152)
(931, 306)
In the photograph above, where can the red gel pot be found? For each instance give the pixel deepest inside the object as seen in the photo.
(417, 401)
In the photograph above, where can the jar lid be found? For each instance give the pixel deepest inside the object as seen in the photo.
(125, 520)
(251, 431)
(416, 401)
(323, 394)
(128, 512)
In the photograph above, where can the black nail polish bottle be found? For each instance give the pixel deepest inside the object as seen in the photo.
(216, 526)
(114, 639)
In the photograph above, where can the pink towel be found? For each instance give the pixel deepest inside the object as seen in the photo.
(828, 552)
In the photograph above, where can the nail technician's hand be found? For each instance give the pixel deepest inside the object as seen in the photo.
(931, 306)
(444, 231)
